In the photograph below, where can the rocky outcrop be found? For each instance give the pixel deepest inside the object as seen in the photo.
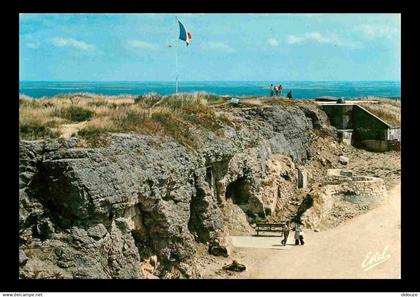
(104, 212)
(319, 120)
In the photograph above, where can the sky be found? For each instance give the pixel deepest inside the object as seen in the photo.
(224, 47)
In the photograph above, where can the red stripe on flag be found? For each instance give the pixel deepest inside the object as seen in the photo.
(189, 35)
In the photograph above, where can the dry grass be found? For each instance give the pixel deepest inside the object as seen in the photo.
(283, 101)
(387, 101)
(92, 116)
(386, 109)
(38, 120)
(153, 114)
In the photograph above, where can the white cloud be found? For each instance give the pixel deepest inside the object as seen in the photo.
(212, 45)
(141, 44)
(320, 38)
(273, 42)
(33, 45)
(292, 39)
(70, 42)
(376, 31)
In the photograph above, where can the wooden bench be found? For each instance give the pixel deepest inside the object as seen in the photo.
(266, 227)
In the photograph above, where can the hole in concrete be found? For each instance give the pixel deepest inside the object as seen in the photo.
(240, 194)
(52, 186)
(307, 203)
(238, 191)
(209, 177)
(345, 193)
(198, 207)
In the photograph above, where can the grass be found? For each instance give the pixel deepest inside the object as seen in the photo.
(95, 137)
(34, 130)
(174, 116)
(182, 117)
(74, 113)
(387, 110)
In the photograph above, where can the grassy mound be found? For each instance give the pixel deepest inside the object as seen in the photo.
(172, 116)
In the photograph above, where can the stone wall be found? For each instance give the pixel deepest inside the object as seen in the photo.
(364, 191)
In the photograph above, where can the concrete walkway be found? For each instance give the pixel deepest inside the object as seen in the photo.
(369, 246)
(269, 241)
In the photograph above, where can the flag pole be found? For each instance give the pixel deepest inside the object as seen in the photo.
(176, 90)
(176, 62)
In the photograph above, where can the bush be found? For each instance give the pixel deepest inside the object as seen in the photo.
(75, 114)
(148, 100)
(94, 136)
(32, 131)
(97, 103)
(27, 102)
(175, 128)
(130, 120)
(208, 121)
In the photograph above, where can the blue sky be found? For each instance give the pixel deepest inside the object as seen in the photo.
(134, 47)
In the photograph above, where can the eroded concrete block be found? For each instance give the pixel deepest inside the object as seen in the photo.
(302, 178)
(343, 160)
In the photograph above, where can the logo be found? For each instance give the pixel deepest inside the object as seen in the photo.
(373, 259)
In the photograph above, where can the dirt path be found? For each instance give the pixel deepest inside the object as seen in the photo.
(69, 129)
(368, 246)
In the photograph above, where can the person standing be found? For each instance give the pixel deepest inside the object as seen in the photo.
(271, 90)
(286, 230)
(289, 95)
(280, 87)
(276, 88)
(299, 234)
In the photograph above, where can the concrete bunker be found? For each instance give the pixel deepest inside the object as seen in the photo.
(359, 127)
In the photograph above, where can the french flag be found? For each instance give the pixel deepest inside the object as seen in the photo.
(184, 34)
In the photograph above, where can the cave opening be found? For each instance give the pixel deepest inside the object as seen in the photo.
(239, 192)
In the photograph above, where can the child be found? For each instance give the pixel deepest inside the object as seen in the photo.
(286, 230)
(299, 234)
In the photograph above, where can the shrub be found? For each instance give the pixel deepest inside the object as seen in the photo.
(75, 114)
(96, 137)
(34, 130)
(175, 128)
(226, 121)
(28, 102)
(208, 120)
(97, 103)
(129, 120)
(148, 100)
(24, 101)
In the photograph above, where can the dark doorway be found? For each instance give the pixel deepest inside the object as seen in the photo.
(238, 191)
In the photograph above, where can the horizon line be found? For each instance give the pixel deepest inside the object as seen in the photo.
(209, 80)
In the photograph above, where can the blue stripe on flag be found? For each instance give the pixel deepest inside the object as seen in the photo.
(182, 32)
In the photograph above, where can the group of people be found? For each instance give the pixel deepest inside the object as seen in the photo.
(298, 228)
(277, 90)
